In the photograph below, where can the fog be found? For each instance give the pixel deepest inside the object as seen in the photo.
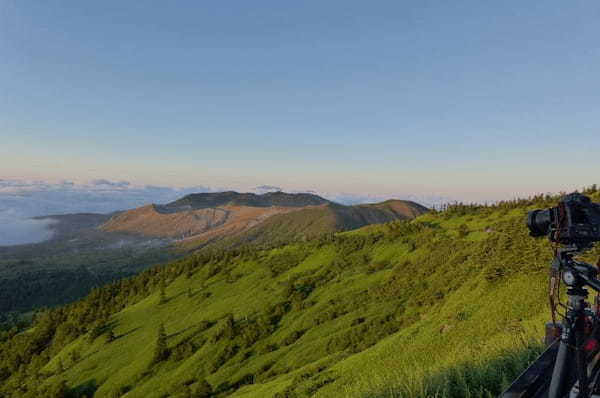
(17, 229)
(22, 200)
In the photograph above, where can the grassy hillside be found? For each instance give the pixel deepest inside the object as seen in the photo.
(311, 222)
(244, 218)
(451, 304)
(89, 250)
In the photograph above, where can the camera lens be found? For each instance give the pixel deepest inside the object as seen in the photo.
(538, 222)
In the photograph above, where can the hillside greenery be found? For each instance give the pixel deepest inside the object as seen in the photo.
(83, 255)
(451, 304)
(36, 278)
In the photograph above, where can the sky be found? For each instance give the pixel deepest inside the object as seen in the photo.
(461, 100)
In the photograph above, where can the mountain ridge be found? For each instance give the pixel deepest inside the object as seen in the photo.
(215, 199)
(198, 219)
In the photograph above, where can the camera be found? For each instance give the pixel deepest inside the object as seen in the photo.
(575, 221)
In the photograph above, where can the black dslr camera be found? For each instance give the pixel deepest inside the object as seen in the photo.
(575, 221)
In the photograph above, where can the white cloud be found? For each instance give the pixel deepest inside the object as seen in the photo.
(38, 198)
(16, 229)
(107, 183)
(20, 200)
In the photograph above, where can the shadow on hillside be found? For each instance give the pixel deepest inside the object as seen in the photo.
(200, 327)
(127, 333)
(87, 389)
(431, 224)
(474, 380)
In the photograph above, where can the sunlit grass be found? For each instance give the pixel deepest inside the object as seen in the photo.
(453, 314)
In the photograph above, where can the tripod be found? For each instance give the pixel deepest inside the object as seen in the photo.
(570, 366)
(578, 344)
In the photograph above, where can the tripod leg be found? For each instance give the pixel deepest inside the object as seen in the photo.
(581, 363)
(558, 385)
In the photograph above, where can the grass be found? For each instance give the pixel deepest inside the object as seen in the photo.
(448, 305)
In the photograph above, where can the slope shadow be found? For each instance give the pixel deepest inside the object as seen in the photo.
(484, 379)
(87, 389)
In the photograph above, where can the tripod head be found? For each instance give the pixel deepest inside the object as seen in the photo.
(576, 274)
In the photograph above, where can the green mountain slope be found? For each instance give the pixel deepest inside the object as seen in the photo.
(451, 304)
(315, 221)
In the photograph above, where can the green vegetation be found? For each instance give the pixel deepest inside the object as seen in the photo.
(32, 280)
(84, 253)
(312, 222)
(451, 304)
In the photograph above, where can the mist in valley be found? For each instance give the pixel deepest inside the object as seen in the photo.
(18, 229)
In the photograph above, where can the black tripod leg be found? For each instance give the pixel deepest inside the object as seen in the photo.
(558, 385)
(581, 363)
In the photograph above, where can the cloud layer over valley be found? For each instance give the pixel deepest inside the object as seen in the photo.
(16, 229)
(20, 200)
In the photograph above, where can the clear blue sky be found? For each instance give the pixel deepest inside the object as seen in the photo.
(467, 99)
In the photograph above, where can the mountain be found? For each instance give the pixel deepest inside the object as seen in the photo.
(155, 221)
(199, 219)
(231, 198)
(318, 220)
(89, 250)
(449, 304)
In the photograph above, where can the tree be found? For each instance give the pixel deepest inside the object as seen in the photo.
(161, 351)
(74, 356)
(228, 330)
(57, 390)
(96, 331)
(163, 294)
(110, 336)
(187, 392)
(204, 390)
(463, 231)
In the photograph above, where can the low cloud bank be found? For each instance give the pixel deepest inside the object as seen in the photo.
(20, 200)
(15, 229)
(40, 198)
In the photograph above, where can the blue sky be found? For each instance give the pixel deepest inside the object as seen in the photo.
(470, 100)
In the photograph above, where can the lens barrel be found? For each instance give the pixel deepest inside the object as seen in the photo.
(538, 222)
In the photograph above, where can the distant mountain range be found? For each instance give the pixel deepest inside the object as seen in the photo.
(199, 219)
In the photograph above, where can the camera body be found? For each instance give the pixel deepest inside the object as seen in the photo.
(575, 221)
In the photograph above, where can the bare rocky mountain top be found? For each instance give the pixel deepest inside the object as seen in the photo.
(198, 219)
